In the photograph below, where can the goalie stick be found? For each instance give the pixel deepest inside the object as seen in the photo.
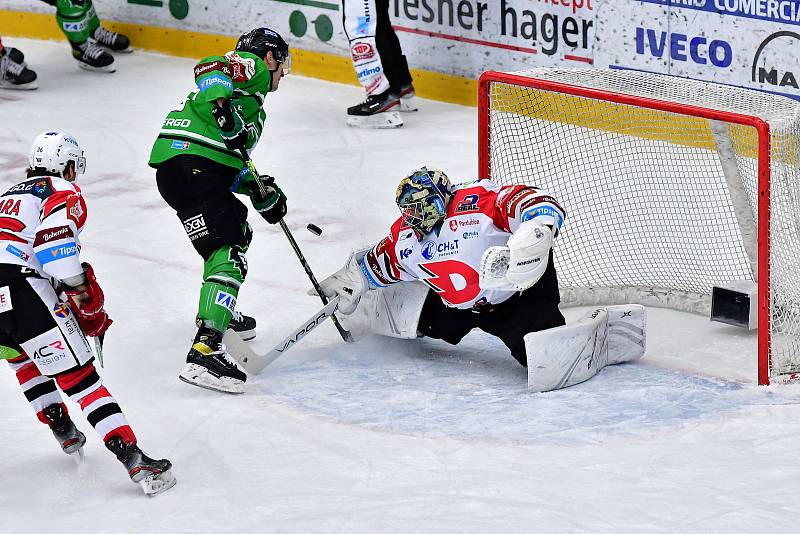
(254, 363)
(347, 336)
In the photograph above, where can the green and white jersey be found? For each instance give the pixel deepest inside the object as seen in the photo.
(240, 76)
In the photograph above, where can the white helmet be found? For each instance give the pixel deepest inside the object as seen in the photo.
(52, 151)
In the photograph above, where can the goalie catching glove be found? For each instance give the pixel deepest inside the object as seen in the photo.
(349, 283)
(521, 263)
(86, 302)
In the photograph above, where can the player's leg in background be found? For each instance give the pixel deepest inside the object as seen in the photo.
(88, 39)
(394, 61)
(441, 322)
(380, 109)
(14, 72)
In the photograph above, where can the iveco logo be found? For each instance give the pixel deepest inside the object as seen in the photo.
(772, 65)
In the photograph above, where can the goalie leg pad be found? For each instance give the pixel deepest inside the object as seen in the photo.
(568, 355)
(392, 311)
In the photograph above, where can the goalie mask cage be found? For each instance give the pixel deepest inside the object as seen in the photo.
(671, 186)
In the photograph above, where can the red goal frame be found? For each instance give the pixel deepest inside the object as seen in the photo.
(763, 168)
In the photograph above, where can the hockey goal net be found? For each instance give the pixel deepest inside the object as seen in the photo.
(671, 186)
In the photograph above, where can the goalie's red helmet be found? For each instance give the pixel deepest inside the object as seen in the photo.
(422, 197)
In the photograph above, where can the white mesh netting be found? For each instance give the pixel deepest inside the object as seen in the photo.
(661, 206)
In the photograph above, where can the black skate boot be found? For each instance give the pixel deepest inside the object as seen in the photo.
(377, 111)
(68, 436)
(244, 325)
(154, 476)
(406, 95)
(14, 72)
(113, 41)
(93, 57)
(209, 365)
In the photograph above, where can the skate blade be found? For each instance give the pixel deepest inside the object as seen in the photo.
(22, 87)
(156, 484)
(78, 456)
(407, 105)
(197, 375)
(246, 335)
(385, 119)
(108, 69)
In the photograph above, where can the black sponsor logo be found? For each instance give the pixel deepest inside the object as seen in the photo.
(778, 75)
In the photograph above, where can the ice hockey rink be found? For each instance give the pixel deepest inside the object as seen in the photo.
(384, 435)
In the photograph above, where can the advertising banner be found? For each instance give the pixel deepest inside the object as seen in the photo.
(747, 43)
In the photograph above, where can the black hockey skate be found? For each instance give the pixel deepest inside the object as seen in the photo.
(154, 476)
(68, 436)
(377, 111)
(406, 95)
(209, 365)
(14, 72)
(113, 41)
(244, 325)
(93, 57)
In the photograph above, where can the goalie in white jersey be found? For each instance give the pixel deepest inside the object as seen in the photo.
(483, 249)
(42, 335)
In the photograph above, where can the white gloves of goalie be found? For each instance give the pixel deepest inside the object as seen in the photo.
(521, 263)
(349, 283)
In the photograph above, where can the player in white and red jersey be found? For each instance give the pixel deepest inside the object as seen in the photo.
(44, 336)
(484, 250)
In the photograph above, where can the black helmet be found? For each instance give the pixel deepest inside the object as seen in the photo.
(263, 40)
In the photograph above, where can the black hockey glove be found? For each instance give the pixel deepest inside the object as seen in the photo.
(231, 125)
(51, 2)
(271, 204)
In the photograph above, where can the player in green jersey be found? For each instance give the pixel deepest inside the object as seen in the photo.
(199, 167)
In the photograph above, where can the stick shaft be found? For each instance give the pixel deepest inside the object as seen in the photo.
(262, 188)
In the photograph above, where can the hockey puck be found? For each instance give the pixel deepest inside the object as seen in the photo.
(314, 229)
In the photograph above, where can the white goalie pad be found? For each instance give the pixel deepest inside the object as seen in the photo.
(568, 355)
(389, 311)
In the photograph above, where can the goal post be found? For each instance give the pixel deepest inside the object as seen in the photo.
(671, 186)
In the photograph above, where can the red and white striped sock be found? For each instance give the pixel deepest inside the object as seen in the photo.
(84, 386)
(40, 390)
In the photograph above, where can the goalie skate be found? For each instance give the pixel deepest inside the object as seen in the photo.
(568, 355)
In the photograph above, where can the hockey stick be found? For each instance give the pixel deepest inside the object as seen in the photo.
(98, 348)
(347, 336)
(254, 363)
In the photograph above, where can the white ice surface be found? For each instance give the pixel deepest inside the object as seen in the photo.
(381, 436)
